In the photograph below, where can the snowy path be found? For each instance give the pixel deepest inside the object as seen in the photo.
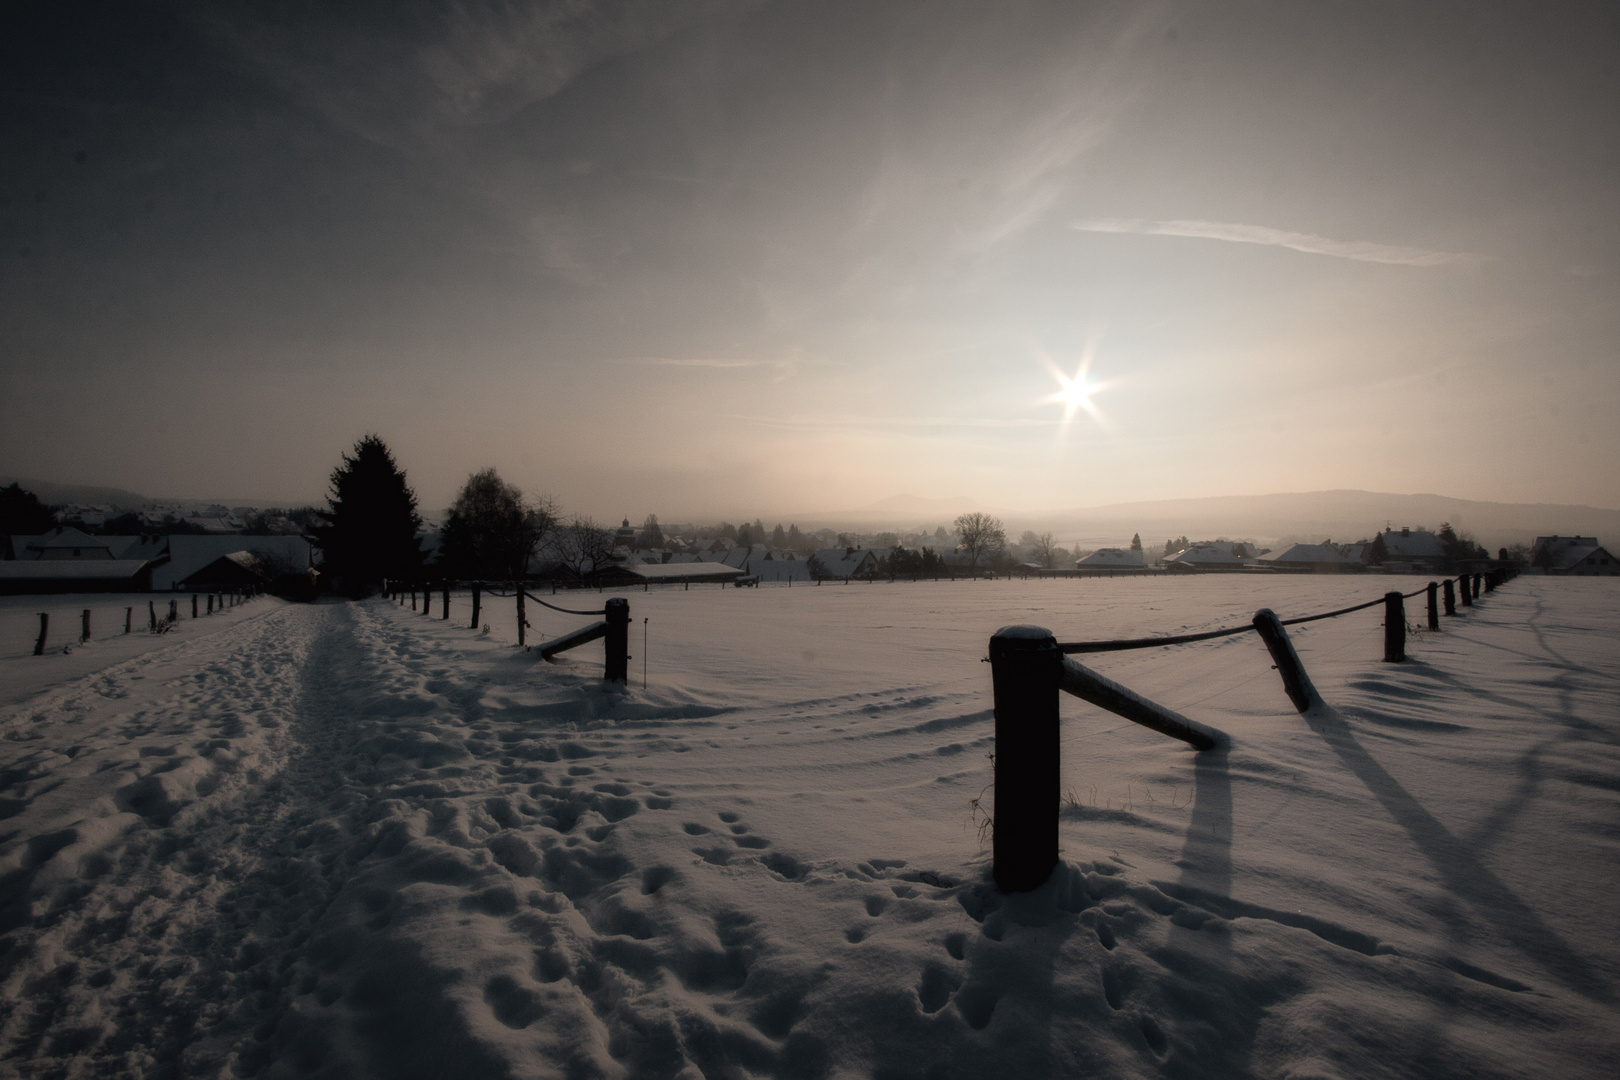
(342, 840)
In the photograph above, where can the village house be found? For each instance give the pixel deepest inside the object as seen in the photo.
(1324, 558)
(1411, 549)
(1573, 556)
(1211, 555)
(843, 563)
(1112, 559)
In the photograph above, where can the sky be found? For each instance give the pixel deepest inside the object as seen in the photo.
(736, 259)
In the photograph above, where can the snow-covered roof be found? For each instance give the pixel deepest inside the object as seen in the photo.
(684, 571)
(1413, 544)
(1563, 552)
(188, 554)
(1307, 555)
(843, 562)
(1111, 557)
(1208, 553)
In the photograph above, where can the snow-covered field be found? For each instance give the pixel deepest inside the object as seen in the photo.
(349, 840)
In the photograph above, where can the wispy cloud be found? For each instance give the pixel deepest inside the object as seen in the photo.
(1359, 250)
(703, 362)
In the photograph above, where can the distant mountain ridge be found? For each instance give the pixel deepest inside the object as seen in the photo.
(54, 494)
(1342, 515)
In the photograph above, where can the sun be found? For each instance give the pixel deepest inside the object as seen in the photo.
(1075, 392)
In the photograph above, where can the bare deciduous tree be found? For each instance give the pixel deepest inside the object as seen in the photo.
(1046, 550)
(582, 546)
(981, 535)
(493, 530)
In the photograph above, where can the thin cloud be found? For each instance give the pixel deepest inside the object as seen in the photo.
(1358, 250)
(704, 362)
(894, 422)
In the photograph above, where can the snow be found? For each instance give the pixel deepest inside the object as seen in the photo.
(356, 840)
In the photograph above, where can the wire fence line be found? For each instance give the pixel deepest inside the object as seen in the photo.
(1122, 644)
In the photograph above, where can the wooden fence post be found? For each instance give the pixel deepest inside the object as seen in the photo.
(523, 623)
(44, 625)
(193, 605)
(84, 626)
(1394, 628)
(427, 598)
(1026, 673)
(1490, 581)
(1462, 591)
(1296, 683)
(129, 618)
(174, 611)
(1434, 605)
(151, 615)
(477, 598)
(210, 603)
(1476, 586)
(446, 612)
(413, 596)
(1451, 599)
(617, 641)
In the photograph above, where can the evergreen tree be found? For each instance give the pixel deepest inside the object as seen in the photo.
(778, 537)
(1136, 543)
(21, 513)
(368, 531)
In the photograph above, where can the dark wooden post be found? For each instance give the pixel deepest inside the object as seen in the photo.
(210, 603)
(1026, 673)
(1462, 591)
(1434, 605)
(477, 599)
(174, 611)
(129, 618)
(84, 626)
(523, 622)
(1476, 586)
(1394, 628)
(617, 641)
(413, 596)
(427, 598)
(1296, 683)
(193, 605)
(151, 615)
(446, 613)
(1451, 598)
(44, 625)
(1490, 581)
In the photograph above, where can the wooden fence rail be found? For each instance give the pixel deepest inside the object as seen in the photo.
(1029, 668)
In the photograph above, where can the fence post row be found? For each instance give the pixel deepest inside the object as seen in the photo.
(1463, 593)
(1026, 671)
(1451, 598)
(1434, 605)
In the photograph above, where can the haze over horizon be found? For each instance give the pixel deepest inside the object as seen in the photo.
(755, 257)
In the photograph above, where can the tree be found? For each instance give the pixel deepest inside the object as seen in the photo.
(368, 531)
(492, 531)
(1375, 552)
(1180, 543)
(981, 535)
(1136, 543)
(652, 535)
(778, 537)
(583, 546)
(1046, 550)
(796, 541)
(21, 513)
